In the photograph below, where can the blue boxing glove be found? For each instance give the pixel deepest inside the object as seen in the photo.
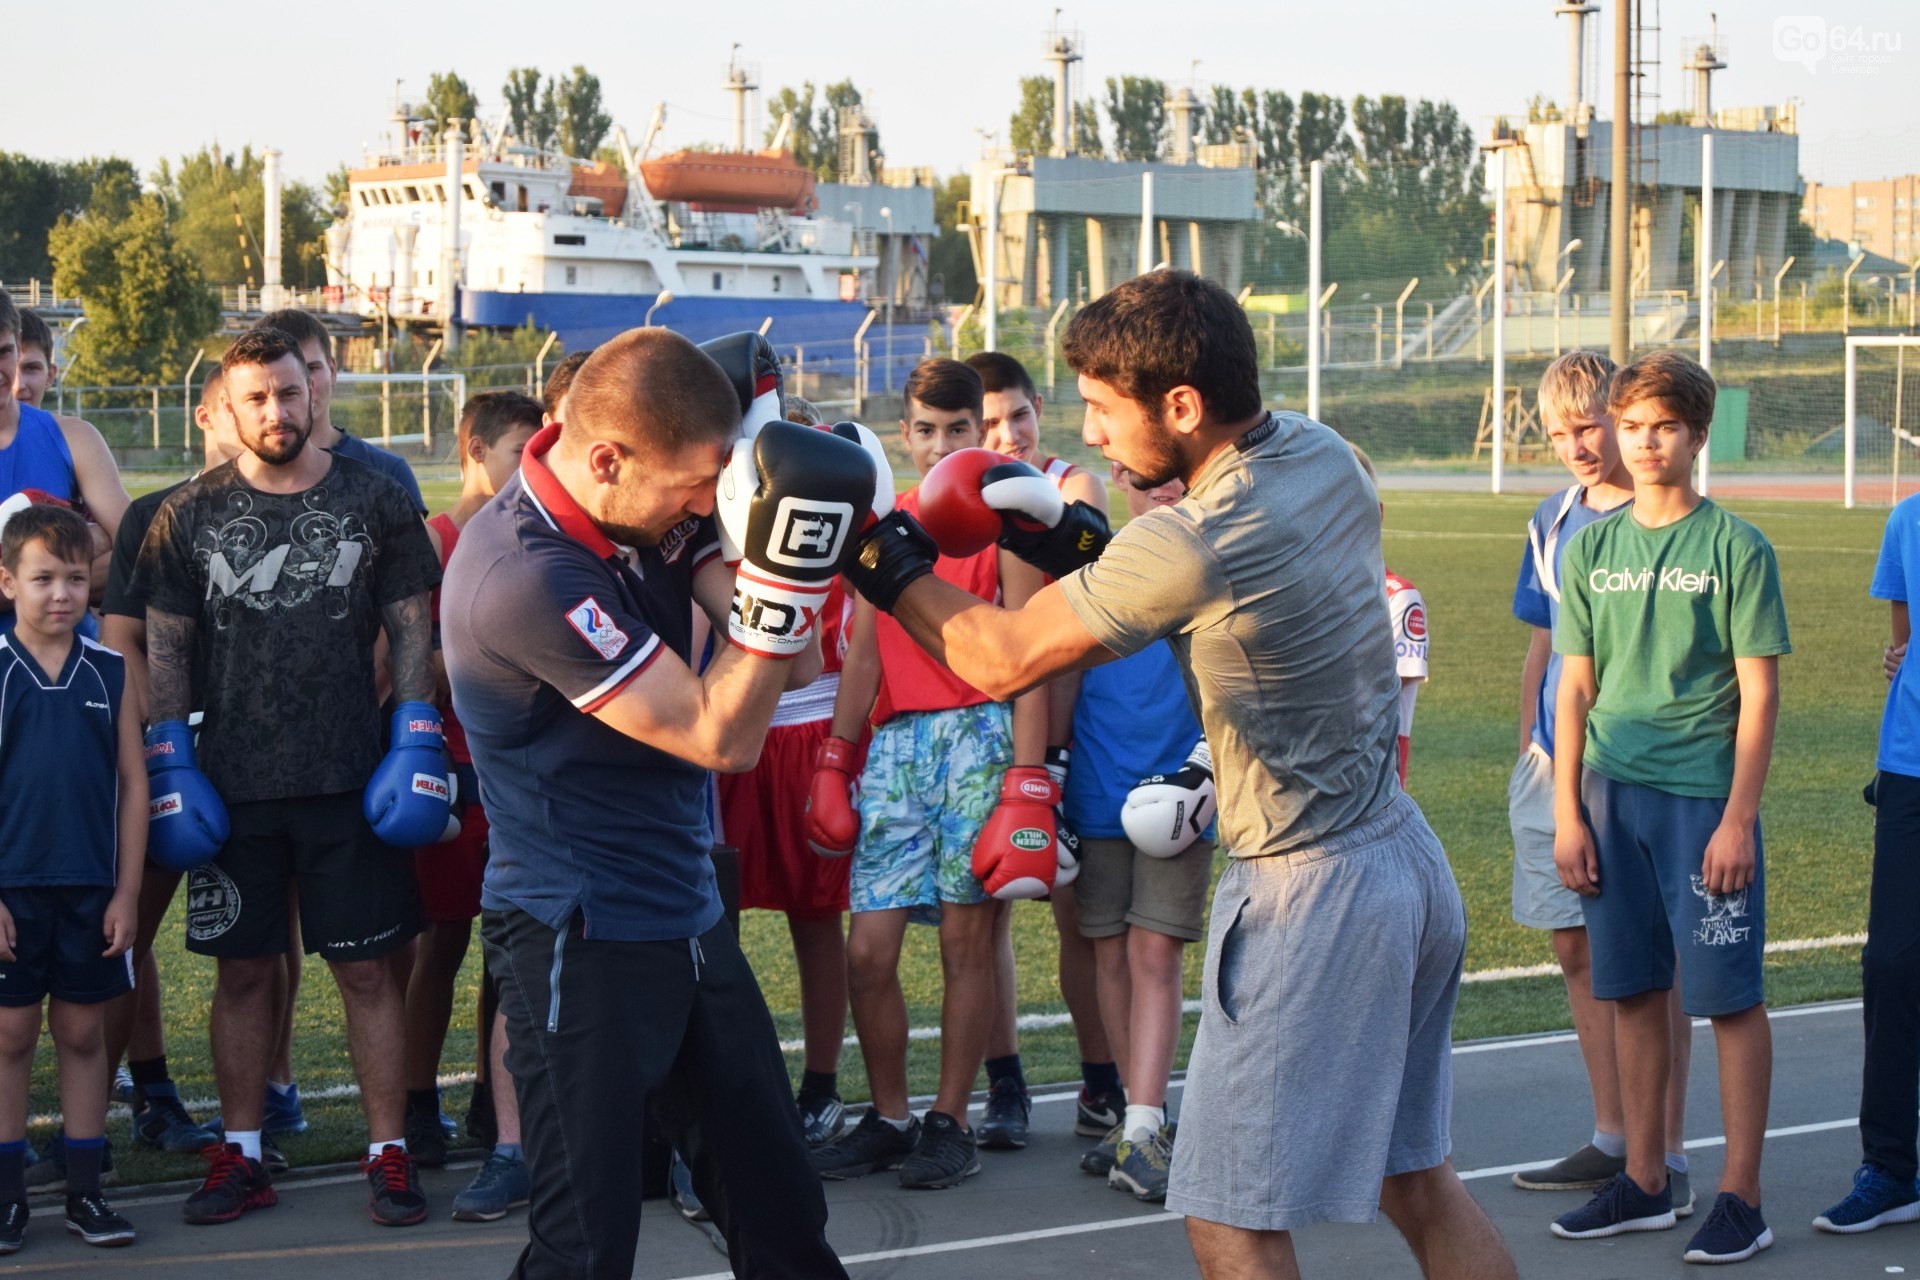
(407, 800)
(186, 819)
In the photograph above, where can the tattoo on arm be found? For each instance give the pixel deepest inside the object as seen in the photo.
(171, 640)
(410, 648)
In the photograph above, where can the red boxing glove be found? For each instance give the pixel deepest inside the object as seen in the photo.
(833, 823)
(969, 496)
(1015, 856)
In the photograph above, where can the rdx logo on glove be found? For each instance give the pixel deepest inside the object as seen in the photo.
(808, 534)
(768, 614)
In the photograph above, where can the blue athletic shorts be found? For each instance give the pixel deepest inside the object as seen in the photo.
(1652, 903)
(58, 939)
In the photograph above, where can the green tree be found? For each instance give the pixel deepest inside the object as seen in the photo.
(530, 113)
(200, 195)
(1030, 128)
(1410, 200)
(339, 183)
(1137, 116)
(950, 257)
(34, 196)
(802, 140)
(580, 123)
(147, 304)
(1086, 130)
(448, 98)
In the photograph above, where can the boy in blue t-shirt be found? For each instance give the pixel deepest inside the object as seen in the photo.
(69, 872)
(1670, 631)
(1137, 770)
(1573, 407)
(1884, 1190)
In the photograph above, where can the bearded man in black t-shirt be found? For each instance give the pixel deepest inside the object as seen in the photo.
(269, 580)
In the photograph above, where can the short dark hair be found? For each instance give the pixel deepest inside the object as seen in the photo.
(940, 383)
(560, 381)
(1168, 329)
(1670, 377)
(9, 315)
(60, 529)
(491, 414)
(654, 390)
(1001, 372)
(35, 333)
(261, 346)
(210, 389)
(300, 326)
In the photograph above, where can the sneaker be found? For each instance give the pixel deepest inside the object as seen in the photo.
(426, 1140)
(945, 1157)
(1099, 1161)
(822, 1117)
(234, 1185)
(1141, 1167)
(502, 1183)
(93, 1220)
(1618, 1206)
(394, 1198)
(1733, 1232)
(1877, 1200)
(1588, 1167)
(1680, 1187)
(161, 1121)
(1003, 1124)
(1095, 1113)
(680, 1192)
(274, 1159)
(49, 1171)
(13, 1226)
(123, 1084)
(872, 1146)
(282, 1114)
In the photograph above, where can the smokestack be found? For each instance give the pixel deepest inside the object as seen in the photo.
(449, 281)
(1576, 11)
(1180, 105)
(270, 232)
(1063, 50)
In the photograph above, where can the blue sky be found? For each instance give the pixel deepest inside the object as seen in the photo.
(147, 80)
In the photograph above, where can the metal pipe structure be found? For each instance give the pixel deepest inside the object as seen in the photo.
(270, 232)
(1779, 276)
(186, 400)
(450, 241)
(1619, 290)
(426, 395)
(1053, 325)
(1498, 181)
(1400, 322)
(1313, 290)
(1704, 250)
(1846, 293)
(540, 363)
(1149, 228)
(990, 320)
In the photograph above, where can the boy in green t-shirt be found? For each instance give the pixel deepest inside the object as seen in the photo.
(1670, 627)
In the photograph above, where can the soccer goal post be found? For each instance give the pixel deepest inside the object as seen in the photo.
(1880, 413)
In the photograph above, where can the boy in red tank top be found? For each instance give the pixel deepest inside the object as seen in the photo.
(932, 778)
(494, 427)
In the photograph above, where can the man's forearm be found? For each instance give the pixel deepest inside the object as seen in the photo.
(984, 645)
(410, 648)
(741, 691)
(171, 639)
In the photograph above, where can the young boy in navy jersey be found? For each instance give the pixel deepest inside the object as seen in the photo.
(69, 873)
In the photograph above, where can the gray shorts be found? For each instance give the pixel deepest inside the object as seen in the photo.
(1324, 1059)
(1119, 887)
(1540, 901)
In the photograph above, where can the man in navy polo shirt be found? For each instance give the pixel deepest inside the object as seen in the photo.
(566, 622)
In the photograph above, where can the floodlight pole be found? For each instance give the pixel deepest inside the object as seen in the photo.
(1497, 179)
(1313, 290)
(1704, 249)
(1619, 286)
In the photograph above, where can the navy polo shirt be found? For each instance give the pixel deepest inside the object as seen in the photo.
(543, 620)
(390, 465)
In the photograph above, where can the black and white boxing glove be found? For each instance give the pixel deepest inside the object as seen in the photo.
(749, 362)
(793, 501)
(974, 496)
(1166, 813)
(1066, 839)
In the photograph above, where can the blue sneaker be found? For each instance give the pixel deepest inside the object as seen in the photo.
(161, 1121)
(1733, 1232)
(501, 1184)
(282, 1114)
(1877, 1201)
(1618, 1206)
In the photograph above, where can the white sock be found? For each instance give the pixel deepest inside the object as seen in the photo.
(1141, 1123)
(375, 1148)
(899, 1126)
(248, 1140)
(282, 1089)
(1677, 1161)
(1610, 1144)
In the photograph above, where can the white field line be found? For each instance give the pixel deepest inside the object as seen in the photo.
(1472, 535)
(1045, 1021)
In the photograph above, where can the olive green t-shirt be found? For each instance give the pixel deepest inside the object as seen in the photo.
(1663, 613)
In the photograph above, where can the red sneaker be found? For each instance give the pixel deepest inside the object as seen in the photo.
(234, 1185)
(394, 1197)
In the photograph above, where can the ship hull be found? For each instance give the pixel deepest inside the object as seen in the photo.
(584, 320)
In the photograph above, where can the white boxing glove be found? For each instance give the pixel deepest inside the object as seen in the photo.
(863, 435)
(1166, 813)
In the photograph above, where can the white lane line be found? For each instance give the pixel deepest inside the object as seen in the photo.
(1139, 1220)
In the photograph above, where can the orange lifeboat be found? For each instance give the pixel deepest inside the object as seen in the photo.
(731, 181)
(603, 181)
